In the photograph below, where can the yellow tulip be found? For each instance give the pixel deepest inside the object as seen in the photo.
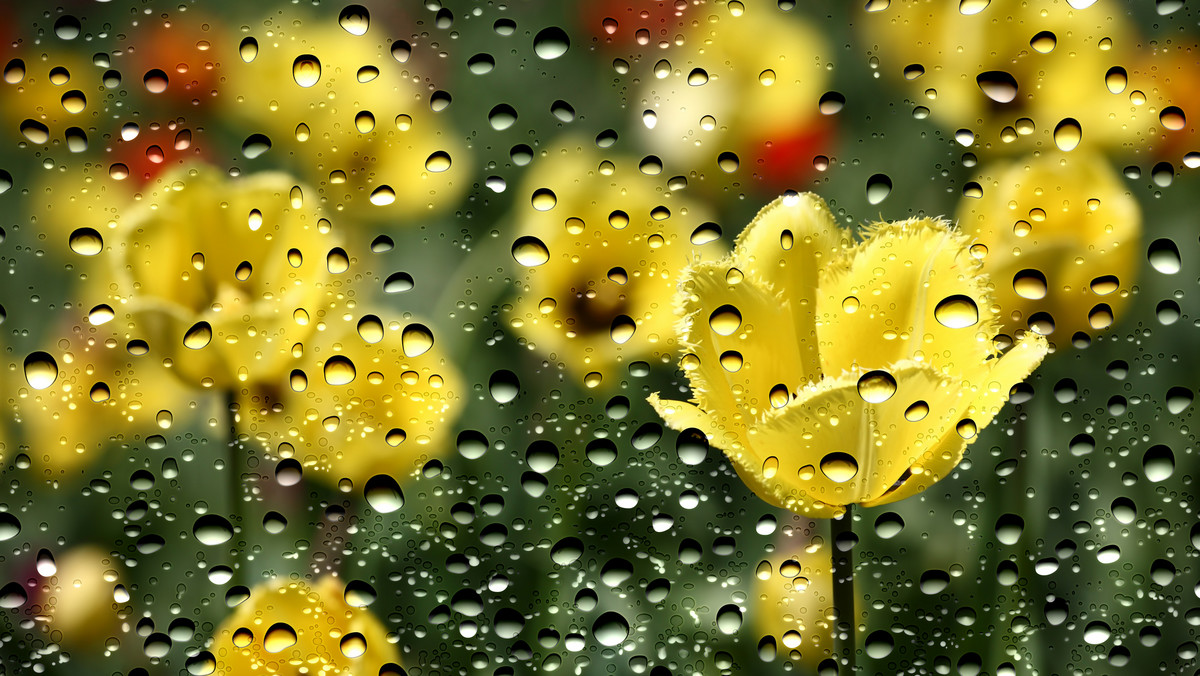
(1061, 240)
(78, 602)
(293, 627)
(219, 274)
(364, 131)
(1010, 69)
(833, 374)
(794, 592)
(102, 396)
(739, 91)
(617, 242)
(363, 397)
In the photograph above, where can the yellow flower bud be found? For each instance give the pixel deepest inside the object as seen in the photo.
(616, 242)
(1060, 237)
(365, 396)
(292, 627)
(218, 274)
(833, 374)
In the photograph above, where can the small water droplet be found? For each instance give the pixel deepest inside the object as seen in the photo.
(998, 85)
(86, 242)
(1043, 42)
(248, 49)
(530, 251)
(1116, 79)
(879, 186)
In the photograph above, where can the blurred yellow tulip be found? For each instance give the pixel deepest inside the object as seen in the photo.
(363, 397)
(1060, 237)
(794, 592)
(833, 374)
(353, 111)
(1009, 69)
(78, 601)
(101, 396)
(219, 274)
(740, 92)
(294, 627)
(616, 242)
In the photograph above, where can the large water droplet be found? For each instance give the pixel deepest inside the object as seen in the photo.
(212, 529)
(416, 340)
(198, 336)
(957, 312)
(610, 629)
(339, 370)
(876, 387)
(1164, 256)
(86, 241)
(1158, 463)
(879, 186)
(354, 19)
(504, 386)
(383, 494)
(1068, 134)
(40, 370)
(551, 43)
(530, 251)
(10, 526)
(279, 637)
(306, 70)
(998, 85)
(839, 467)
(248, 49)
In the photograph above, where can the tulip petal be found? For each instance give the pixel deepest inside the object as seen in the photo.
(741, 341)
(909, 291)
(786, 245)
(832, 447)
(990, 388)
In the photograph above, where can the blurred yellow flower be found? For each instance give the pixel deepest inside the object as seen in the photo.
(292, 627)
(355, 113)
(102, 396)
(52, 99)
(219, 274)
(741, 90)
(1061, 240)
(617, 242)
(794, 592)
(833, 374)
(78, 602)
(1010, 69)
(363, 397)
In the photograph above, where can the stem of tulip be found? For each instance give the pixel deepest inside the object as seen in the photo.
(234, 469)
(842, 557)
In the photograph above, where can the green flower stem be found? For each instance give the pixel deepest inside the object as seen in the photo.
(845, 638)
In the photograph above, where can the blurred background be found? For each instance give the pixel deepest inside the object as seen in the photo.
(343, 318)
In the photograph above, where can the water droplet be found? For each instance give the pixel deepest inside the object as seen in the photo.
(876, 387)
(551, 43)
(831, 103)
(691, 447)
(383, 196)
(416, 340)
(971, 7)
(198, 336)
(504, 386)
(998, 85)
(155, 81)
(45, 565)
(40, 370)
(212, 529)
(74, 102)
(725, 320)
(339, 370)
(383, 494)
(1158, 463)
(879, 186)
(438, 161)
(705, 233)
(610, 629)
(530, 251)
(14, 71)
(255, 145)
(1043, 42)
(1030, 284)
(306, 70)
(1164, 257)
(86, 242)
(370, 328)
(248, 49)
(697, 77)
(1096, 632)
(354, 19)
(1172, 118)
(337, 261)
(879, 644)
(279, 637)
(839, 467)
(1068, 134)
(622, 329)
(12, 595)
(1116, 79)
(731, 360)
(543, 199)
(1178, 399)
(10, 526)
(729, 619)
(1009, 528)
(398, 282)
(481, 64)
(957, 312)
(888, 525)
